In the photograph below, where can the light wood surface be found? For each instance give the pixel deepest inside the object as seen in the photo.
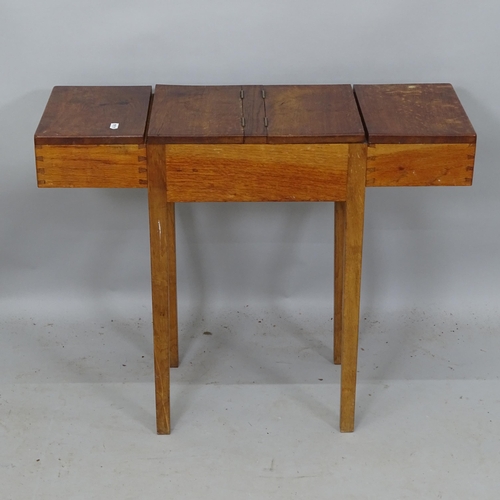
(420, 165)
(159, 213)
(354, 221)
(92, 166)
(256, 172)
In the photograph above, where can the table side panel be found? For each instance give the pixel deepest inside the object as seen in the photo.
(103, 165)
(420, 165)
(256, 172)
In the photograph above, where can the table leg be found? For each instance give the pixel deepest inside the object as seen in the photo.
(338, 282)
(160, 212)
(172, 287)
(354, 220)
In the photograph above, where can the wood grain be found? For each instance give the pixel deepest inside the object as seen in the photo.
(83, 115)
(354, 221)
(420, 165)
(312, 114)
(338, 280)
(92, 166)
(413, 113)
(159, 213)
(183, 114)
(256, 172)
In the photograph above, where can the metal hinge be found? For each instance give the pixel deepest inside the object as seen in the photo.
(242, 96)
(266, 121)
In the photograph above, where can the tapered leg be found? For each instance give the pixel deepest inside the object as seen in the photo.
(354, 220)
(338, 281)
(172, 287)
(159, 214)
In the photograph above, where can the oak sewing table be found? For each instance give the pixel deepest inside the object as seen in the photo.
(255, 143)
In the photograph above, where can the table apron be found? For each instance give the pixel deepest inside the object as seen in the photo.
(256, 172)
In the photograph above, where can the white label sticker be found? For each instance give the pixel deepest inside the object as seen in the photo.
(114, 126)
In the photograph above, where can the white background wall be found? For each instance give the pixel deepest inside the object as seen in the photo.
(422, 245)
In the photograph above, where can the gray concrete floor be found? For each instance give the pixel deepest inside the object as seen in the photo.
(255, 405)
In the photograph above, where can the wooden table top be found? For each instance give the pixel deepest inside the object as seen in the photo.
(255, 114)
(276, 114)
(83, 115)
(413, 114)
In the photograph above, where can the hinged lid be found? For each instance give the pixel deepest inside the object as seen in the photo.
(95, 115)
(255, 114)
(415, 113)
(312, 114)
(196, 114)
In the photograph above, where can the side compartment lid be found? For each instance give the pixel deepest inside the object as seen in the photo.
(413, 114)
(95, 115)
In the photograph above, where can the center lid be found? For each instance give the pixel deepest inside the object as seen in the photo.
(276, 114)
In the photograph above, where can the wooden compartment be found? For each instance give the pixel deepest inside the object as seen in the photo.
(418, 135)
(93, 137)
